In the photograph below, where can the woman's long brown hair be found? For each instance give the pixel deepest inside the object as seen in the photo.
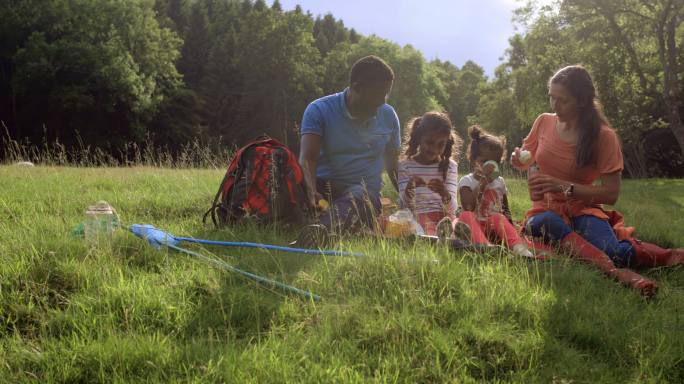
(578, 83)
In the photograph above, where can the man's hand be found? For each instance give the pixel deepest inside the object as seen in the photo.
(310, 148)
(313, 201)
(391, 165)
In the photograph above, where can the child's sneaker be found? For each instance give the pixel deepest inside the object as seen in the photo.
(445, 228)
(462, 232)
(521, 250)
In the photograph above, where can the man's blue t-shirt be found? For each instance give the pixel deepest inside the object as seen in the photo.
(352, 151)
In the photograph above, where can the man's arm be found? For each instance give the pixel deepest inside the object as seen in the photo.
(309, 150)
(393, 149)
(391, 165)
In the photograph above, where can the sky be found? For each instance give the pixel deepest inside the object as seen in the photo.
(453, 30)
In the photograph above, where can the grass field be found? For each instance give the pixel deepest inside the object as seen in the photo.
(129, 313)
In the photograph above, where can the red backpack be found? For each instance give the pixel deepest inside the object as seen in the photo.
(264, 182)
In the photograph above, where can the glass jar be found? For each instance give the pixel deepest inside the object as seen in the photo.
(99, 223)
(531, 172)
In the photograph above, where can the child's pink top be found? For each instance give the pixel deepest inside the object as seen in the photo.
(492, 198)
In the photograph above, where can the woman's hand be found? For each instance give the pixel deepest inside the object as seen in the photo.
(543, 183)
(519, 161)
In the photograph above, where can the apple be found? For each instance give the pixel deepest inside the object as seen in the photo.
(525, 157)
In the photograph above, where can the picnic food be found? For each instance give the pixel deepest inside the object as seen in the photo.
(525, 156)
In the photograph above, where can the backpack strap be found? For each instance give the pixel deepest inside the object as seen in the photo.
(226, 184)
(215, 205)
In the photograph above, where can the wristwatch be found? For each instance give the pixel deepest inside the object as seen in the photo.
(569, 190)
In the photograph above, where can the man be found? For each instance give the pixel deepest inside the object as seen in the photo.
(347, 140)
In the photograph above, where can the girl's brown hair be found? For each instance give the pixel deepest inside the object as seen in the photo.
(433, 122)
(479, 139)
(578, 83)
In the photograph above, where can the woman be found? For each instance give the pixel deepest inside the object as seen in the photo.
(580, 165)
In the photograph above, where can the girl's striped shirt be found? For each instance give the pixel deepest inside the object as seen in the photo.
(425, 199)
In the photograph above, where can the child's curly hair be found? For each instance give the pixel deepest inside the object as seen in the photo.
(479, 139)
(433, 121)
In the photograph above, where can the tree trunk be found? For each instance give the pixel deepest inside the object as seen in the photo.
(667, 47)
(676, 126)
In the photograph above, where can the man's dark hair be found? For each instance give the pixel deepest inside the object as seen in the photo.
(370, 69)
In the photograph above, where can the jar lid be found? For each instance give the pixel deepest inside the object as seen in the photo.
(101, 206)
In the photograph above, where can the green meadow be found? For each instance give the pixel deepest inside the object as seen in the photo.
(408, 312)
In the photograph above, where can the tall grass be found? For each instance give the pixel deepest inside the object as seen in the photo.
(409, 312)
(195, 154)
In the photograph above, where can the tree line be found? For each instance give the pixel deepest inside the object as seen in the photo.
(103, 73)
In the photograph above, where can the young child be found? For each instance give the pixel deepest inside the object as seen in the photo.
(484, 196)
(428, 177)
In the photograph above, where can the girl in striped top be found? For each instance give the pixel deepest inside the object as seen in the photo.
(428, 176)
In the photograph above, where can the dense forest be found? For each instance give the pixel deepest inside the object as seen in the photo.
(104, 73)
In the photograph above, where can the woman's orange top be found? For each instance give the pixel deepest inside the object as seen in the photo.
(557, 158)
